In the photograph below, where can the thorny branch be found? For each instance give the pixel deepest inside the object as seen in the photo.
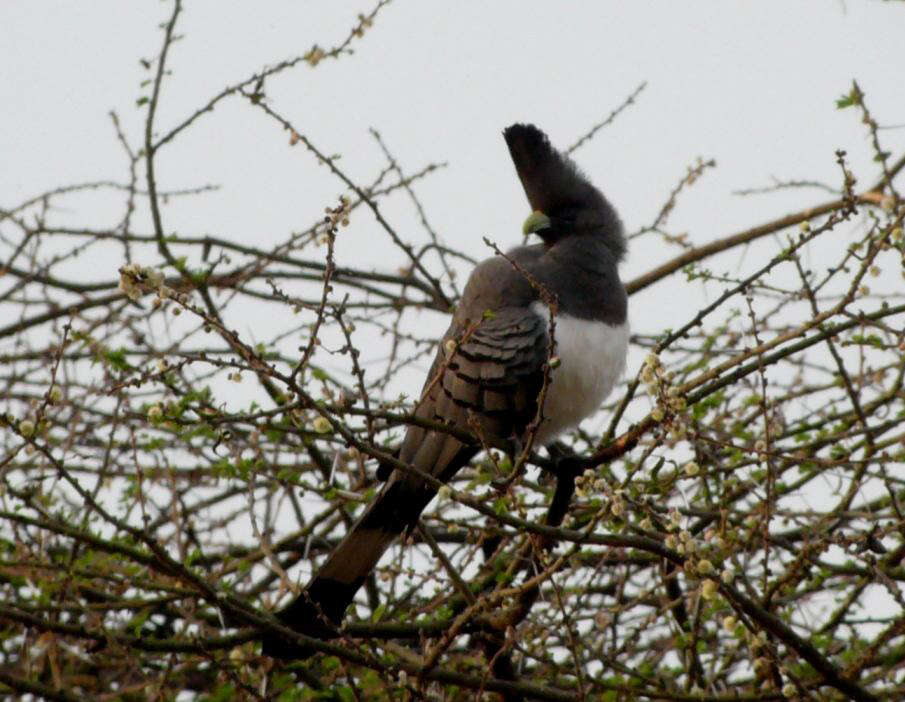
(731, 525)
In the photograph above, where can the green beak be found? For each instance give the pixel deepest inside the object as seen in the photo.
(536, 221)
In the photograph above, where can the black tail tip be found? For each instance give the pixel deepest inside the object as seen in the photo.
(275, 646)
(300, 616)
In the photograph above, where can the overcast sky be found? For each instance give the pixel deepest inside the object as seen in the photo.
(751, 85)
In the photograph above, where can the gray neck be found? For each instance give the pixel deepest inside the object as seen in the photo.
(581, 271)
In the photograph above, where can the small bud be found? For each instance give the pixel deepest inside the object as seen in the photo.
(155, 414)
(805, 226)
(27, 427)
(789, 691)
(154, 277)
(555, 361)
(129, 277)
(55, 395)
(657, 414)
(692, 469)
(727, 576)
(705, 567)
(709, 589)
(322, 424)
(449, 346)
(444, 492)
(729, 623)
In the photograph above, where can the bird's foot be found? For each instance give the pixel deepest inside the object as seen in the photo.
(564, 462)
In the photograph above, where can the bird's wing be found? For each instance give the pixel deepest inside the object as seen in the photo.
(486, 384)
(489, 381)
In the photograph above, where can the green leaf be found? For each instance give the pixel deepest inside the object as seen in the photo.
(117, 359)
(138, 621)
(224, 693)
(852, 98)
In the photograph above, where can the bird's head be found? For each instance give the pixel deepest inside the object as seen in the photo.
(564, 201)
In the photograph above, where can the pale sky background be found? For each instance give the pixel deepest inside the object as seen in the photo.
(751, 85)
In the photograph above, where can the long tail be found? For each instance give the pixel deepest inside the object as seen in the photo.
(319, 609)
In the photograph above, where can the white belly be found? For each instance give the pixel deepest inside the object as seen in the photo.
(592, 359)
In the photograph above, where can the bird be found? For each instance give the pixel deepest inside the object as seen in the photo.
(487, 377)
